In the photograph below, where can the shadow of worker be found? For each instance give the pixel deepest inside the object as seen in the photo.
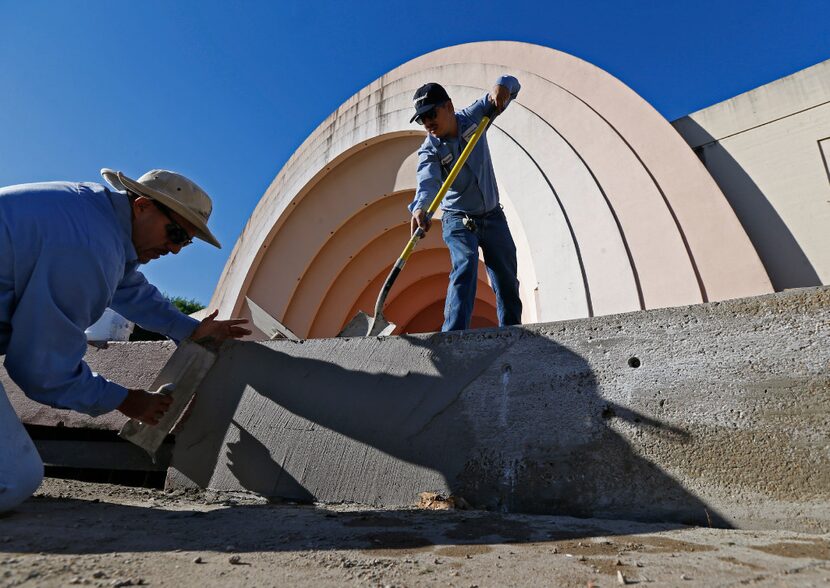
(506, 418)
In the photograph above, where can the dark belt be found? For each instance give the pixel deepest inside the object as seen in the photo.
(491, 212)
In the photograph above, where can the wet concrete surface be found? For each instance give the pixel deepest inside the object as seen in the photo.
(713, 414)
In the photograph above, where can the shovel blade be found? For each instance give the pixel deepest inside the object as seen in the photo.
(363, 325)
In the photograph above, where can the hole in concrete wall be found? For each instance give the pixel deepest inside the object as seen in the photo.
(634, 362)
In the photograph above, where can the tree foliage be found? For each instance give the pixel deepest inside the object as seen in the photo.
(186, 305)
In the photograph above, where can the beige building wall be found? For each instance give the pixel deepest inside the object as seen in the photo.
(768, 151)
(610, 209)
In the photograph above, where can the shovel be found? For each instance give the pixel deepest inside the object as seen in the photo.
(363, 325)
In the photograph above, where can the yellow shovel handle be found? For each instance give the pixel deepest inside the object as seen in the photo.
(419, 232)
(436, 202)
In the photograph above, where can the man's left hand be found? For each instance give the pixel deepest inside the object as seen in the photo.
(212, 331)
(499, 97)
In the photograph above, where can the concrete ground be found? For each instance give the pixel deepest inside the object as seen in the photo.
(103, 535)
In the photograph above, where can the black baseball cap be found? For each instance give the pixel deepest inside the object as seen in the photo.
(428, 97)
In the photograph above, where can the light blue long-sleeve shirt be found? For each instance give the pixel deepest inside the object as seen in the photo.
(66, 254)
(474, 190)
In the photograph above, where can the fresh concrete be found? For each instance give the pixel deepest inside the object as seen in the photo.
(134, 365)
(726, 421)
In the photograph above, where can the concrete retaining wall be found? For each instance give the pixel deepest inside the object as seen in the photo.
(710, 414)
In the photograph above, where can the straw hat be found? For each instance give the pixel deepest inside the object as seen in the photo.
(174, 191)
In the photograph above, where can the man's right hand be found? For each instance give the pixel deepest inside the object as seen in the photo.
(144, 406)
(419, 219)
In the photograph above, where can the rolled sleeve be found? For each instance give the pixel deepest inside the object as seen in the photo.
(511, 83)
(47, 343)
(477, 109)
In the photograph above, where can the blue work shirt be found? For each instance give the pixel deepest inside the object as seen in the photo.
(474, 190)
(66, 254)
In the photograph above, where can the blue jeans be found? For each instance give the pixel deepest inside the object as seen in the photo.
(493, 236)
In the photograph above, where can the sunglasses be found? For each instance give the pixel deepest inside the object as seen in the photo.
(176, 234)
(428, 115)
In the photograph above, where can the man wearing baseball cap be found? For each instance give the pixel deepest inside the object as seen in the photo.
(67, 252)
(472, 215)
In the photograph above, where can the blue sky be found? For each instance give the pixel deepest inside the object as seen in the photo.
(224, 92)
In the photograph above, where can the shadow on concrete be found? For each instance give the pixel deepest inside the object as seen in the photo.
(250, 462)
(512, 421)
(782, 256)
(74, 526)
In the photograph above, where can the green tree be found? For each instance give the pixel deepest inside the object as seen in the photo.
(186, 305)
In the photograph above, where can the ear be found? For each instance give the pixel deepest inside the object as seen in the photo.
(141, 204)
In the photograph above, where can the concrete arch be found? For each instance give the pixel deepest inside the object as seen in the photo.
(321, 212)
(483, 316)
(610, 209)
(428, 284)
(432, 289)
(356, 287)
(336, 252)
(422, 265)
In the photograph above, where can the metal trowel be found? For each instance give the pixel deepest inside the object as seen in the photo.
(272, 328)
(180, 377)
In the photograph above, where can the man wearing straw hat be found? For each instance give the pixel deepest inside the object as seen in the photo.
(67, 252)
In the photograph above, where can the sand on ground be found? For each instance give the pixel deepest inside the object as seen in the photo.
(79, 533)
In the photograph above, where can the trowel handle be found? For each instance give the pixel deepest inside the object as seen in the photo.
(168, 388)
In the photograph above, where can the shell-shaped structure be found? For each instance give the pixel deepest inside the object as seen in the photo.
(610, 209)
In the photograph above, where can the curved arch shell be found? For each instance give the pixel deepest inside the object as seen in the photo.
(610, 209)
